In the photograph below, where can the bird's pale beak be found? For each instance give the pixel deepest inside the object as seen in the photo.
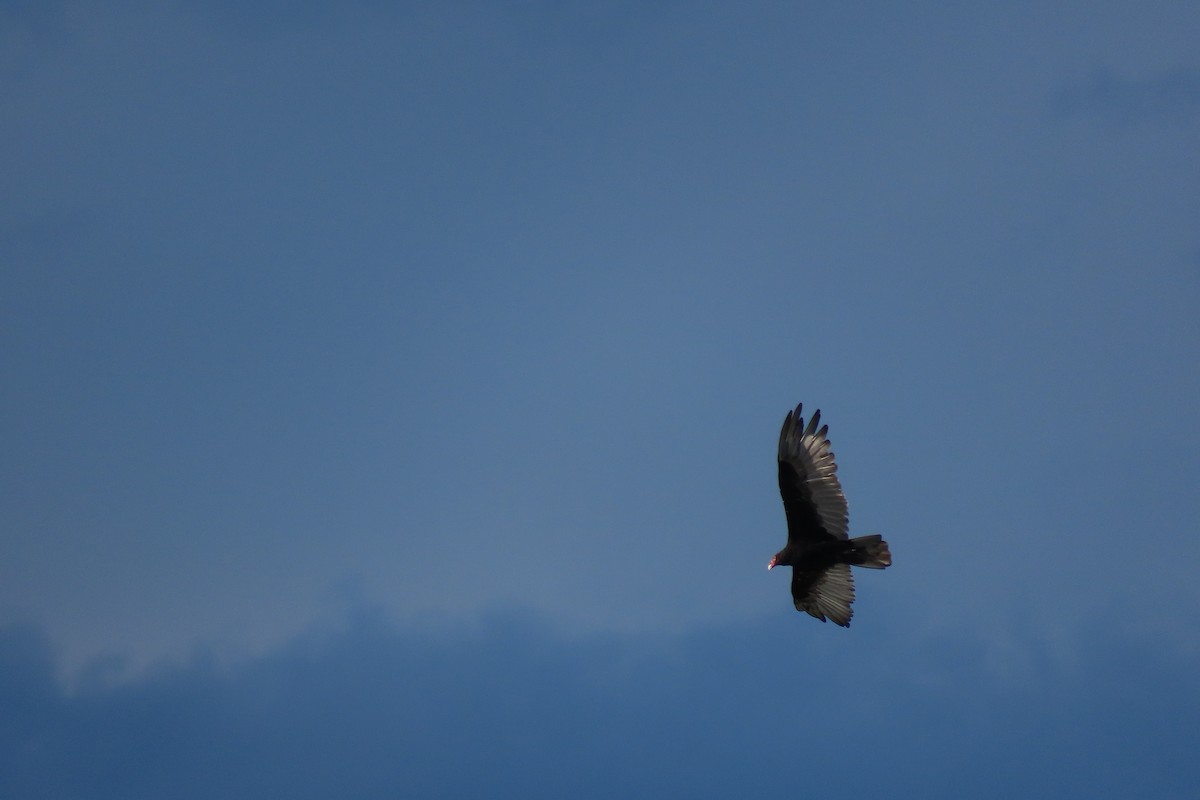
(771, 566)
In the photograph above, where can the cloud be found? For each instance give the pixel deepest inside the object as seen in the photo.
(512, 708)
(1172, 95)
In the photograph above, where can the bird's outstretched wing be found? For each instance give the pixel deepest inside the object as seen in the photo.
(825, 593)
(812, 496)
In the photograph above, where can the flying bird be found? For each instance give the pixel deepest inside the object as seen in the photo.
(818, 549)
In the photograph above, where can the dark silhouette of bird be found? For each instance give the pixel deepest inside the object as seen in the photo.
(818, 549)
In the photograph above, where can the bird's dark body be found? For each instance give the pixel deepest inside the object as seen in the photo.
(818, 555)
(819, 550)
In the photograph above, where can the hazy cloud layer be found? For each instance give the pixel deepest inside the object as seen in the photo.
(511, 709)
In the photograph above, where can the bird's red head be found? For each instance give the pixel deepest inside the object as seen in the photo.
(774, 562)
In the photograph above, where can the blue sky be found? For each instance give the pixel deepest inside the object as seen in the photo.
(390, 397)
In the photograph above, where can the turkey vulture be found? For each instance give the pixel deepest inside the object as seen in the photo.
(818, 549)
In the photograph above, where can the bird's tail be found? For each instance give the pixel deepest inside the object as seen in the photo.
(869, 551)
